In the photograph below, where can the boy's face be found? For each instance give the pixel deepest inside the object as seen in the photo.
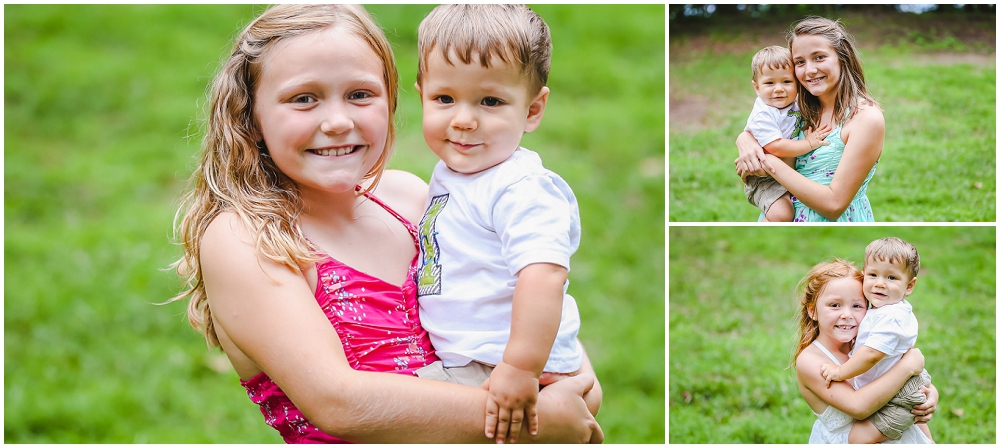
(776, 87)
(886, 283)
(474, 116)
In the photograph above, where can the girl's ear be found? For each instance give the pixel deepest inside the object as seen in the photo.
(812, 312)
(536, 109)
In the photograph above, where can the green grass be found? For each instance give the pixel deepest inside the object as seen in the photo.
(732, 328)
(103, 119)
(938, 94)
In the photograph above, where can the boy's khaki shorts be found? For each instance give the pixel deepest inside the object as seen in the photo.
(763, 191)
(472, 374)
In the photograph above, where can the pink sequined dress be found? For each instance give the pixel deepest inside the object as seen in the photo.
(378, 326)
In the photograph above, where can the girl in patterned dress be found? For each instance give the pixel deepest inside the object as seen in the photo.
(831, 182)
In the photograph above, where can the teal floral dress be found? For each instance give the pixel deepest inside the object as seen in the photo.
(819, 166)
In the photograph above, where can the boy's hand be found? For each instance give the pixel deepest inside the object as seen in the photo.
(816, 138)
(512, 398)
(830, 372)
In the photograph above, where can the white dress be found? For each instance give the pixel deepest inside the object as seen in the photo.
(833, 425)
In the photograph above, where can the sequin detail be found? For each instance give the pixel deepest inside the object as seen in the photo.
(379, 328)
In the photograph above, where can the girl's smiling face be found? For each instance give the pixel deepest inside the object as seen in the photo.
(816, 65)
(322, 108)
(839, 310)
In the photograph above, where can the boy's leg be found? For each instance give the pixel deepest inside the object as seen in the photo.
(781, 210)
(895, 417)
(926, 430)
(865, 431)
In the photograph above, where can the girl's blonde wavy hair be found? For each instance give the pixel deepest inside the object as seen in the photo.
(810, 288)
(236, 174)
(853, 90)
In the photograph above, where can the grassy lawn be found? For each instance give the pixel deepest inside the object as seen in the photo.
(103, 119)
(732, 328)
(935, 77)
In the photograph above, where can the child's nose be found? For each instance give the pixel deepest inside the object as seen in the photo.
(464, 118)
(336, 120)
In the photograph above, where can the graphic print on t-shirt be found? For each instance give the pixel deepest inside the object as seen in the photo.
(429, 276)
(799, 124)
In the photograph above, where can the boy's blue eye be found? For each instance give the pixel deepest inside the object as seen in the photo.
(490, 101)
(445, 99)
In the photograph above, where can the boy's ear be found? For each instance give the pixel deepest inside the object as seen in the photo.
(416, 85)
(536, 109)
(910, 285)
(755, 88)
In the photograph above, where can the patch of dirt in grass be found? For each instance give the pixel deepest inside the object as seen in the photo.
(973, 59)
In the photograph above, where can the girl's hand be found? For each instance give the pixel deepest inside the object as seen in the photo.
(550, 377)
(752, 160)
(568, 419)
(914, 360)
(925, 411)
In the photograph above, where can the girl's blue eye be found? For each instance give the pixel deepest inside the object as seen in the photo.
(358, 95)
(303, 99)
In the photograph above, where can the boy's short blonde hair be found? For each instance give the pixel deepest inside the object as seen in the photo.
(774, 57)
(894, 250)
(513, 33)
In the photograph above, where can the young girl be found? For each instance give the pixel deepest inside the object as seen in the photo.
(829, 183)
(299, 252)
(831, 307)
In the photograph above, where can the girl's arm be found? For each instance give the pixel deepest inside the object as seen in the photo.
(861, 403)
(925, 410)
(860, 154)
(268, 312)
(752, 160)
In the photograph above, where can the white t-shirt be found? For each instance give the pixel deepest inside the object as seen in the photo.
(768, 123)
(890, 329)
(478, 231)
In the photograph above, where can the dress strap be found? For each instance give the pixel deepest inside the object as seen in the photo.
(821, 347)
(406, 223)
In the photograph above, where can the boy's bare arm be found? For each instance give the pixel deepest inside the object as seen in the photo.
(513, 385)
(784, 147)
(864, 358)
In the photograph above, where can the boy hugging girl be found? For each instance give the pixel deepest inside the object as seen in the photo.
(888, 330)
(777, 125)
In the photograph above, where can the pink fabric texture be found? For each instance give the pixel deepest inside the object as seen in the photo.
(378, 326)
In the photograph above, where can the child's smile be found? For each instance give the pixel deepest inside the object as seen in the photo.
(475, 116)
(775, 86)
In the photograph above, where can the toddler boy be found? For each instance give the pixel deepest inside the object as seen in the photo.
(499, 228)
(888, 330)
(775, 121)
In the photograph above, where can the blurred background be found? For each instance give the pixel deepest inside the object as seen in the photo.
(931, 67)
(104, 114)
(733, 304)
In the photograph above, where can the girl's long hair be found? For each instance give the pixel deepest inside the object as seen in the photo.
(810, 288)
(853, 91)
(236, 174)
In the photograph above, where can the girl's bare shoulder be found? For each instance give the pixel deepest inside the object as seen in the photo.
(869, 115)
(405, 192)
